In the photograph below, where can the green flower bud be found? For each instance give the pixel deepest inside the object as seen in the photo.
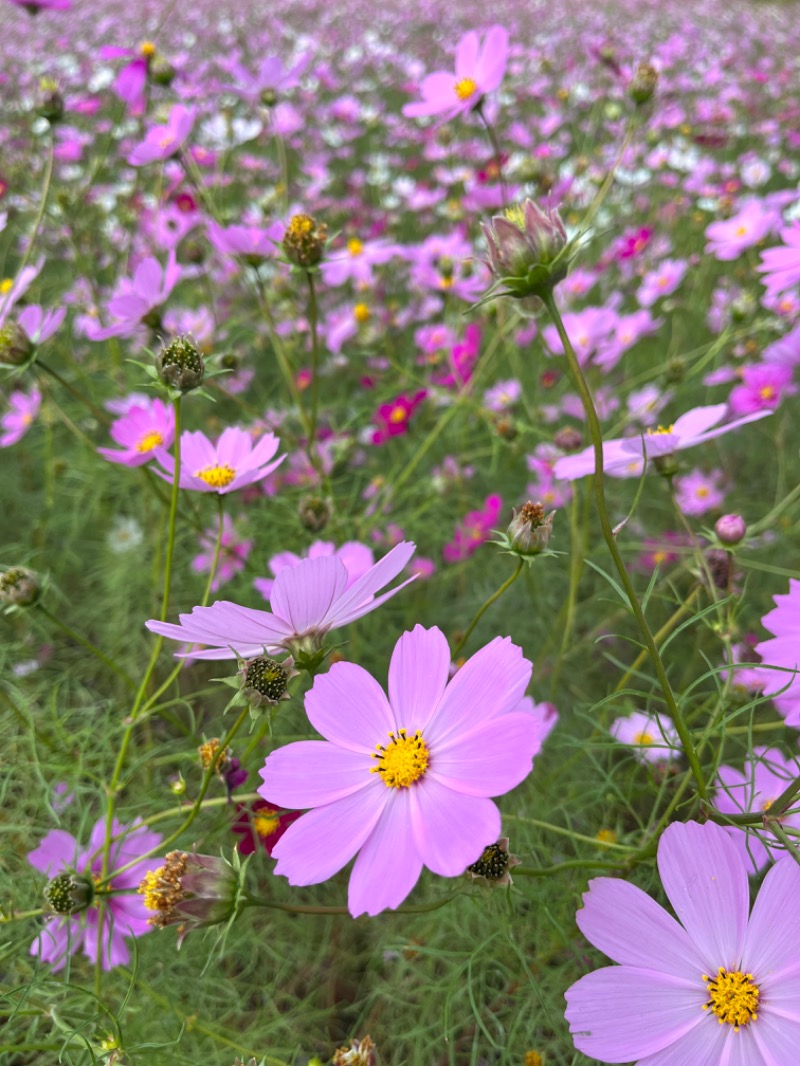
(68, 893)
(527, 249)
(530, 529)
(16, 347)
(266, 680)
(180, 365)
(19, 586)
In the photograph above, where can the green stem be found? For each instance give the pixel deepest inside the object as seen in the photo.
(496, 149)
(571, 864)
(611, 542)
(299, 908)
(100, 415)
(37, 225)
(482, 611)
(313, 316)
(89, 647)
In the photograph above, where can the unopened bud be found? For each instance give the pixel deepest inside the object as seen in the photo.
(568, 439)
(730, 528)
(68, 893)
(161, 70)
(643, 84)
(315, 513)
(50, 102)
(719, 565)
(180, 365)
(269, 97)
(266, 680)
(527, 249)
(19, 586)
(15, 344)
(304, 241)
(530, 529)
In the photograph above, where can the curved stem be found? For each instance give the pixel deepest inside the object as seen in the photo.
(482, 611)
(611, 542)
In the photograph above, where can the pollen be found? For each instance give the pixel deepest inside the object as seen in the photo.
(767, 392)
(733, 997)
(265, 825)
(162, 889)
(299, 226)
(402, 761)
(361, 313)
(516, 216)
(466, 87)
(149, 441)
(218, 477)
(147, 49)
(662, 431)
(6, 285)
(354, 246)
(645, 739)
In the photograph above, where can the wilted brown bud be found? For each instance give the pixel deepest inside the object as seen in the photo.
(190, 890)
(360, 1053)
(315, 513)
(530, 529)
(304, 241)
(568, 439)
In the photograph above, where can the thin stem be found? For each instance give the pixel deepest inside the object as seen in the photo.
(482, 611)
(684, 610)
(608, 535)
(312, 421)
(37, 225)
(89, 647)
(496, 149)
(100, 415)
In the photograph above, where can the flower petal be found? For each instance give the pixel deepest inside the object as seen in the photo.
(304, 594)
(362, 591)
(706, 883)
(705, 1045)
(58, 851)
(348, 707)
(312, 773)
(776, 1038)
(388, 865)
(450, 829)
(772, 945)
(418, 676)
(490, 760)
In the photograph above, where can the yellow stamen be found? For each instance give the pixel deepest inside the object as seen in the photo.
(465, 87)
(606, 836)
(147, 49)
(645, 739)
(149, 441)
(218, 477)
(398, 415)
(361, 313)
(299, 226)
(403, 761)
(733, 997)
(5, 285)
(661, 431)
(354, 246)
(767, 392)
(265, 824)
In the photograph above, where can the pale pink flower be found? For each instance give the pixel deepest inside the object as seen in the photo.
(781, 266)
(230, 464)
(727, 240)
(161, 142)
(23, 409)
(479, 70)
(652, 737)
(357, 558)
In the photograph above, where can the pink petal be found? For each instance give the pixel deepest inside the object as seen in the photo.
(772, 945)
(311, 773)
(492, 61)
(58, 938)
(439, 87)
(467, 55)
(622, 1013)
(777, 1039)
(705, 1045)
(348, 707)
(362, 591)
(418, 675)
(490, 760)
(319, 844)
(388, 866)
(492, 682)
(304, 594)
(450, 829)
(706, 883)
(58, 851)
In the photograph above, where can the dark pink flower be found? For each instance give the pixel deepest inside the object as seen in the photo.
(393, 418)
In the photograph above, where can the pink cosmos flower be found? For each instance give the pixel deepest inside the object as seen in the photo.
(662, 281)
(138, 300)
(253, 243)
(23, 409)
(766, 775)
(224, 467)
(393, 418)
(763, 387)
(307, 601)
(357, 261)
(478, 71)
(37, 324)
(473, 531)
(161, 142)
(357, 558)
(651, 736)
(140, 431)
(781, 266)
(782, 652)
(405, 781)
(698, 492)
(727, 240)
(270, 79)
(126, 916)
(233, 553)
(714, 987)
(623, 457)
(129, 84)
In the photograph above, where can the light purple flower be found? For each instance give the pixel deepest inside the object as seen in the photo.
(138, 300)
(478, 71)
(126, 916)
(224, 467)
(140, 431)
(652, 737)
(662, 281)
(781, 266)
(270, 78)
(39, 325)
(718, 988)
(623, 457)
(23, 409)
(782, 652)
(249, 242)
(161, 142)
(233, 553)
(405, 781)
(307, 601)
(727, 240)
(698, 492)
(358, 559)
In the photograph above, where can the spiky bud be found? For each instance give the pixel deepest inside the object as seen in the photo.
(180, 365)
(266, 680)
(530, 529)
(50, 102)
(68, 893)
(527, 249)
(19, 586)
(304, 241)
(15, 344)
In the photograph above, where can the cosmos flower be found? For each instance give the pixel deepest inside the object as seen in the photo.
(224, 467)
(261, 826)
(70, 894)
(162, 142)
(698, 492)
(478, 71)
(473, 530)
(140, 431)
(137, 301)
(23, 409)
(781, 266)
(307, 601)
(763, 386)
(729, 238)
(357, 558)
(405, 781)
(234, 550)
(782, 652)
(652, 737)
(714, 987)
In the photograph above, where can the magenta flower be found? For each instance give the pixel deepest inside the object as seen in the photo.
(23, 409)
(307, 601)
(473, 530)
(782, 652)
(651, 736)
(623, 457)
(762, 388)
(403, 781)
(162, 142)
(140, 431)
(62, 935)
(781, 266)
(357, 559)
(138, 301)
(233, 553)
(753, 791)
(224, 467)
(129, 84)
(717, 988)
(393, 418)
(478, 71)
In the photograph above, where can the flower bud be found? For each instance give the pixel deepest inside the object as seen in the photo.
(730, 528)
(530, 529)
(19, 586)
(190, 890)
(269, 97)
(15, 345)
(719, 567)
(180, 365)
(493, 866)
(643, 84)
(161, 70)
(315, 513)
(266, 680)
(527, 249)
(568, 439)
(68, 893)
(360, 1053)
(50, 102)
(304, 241)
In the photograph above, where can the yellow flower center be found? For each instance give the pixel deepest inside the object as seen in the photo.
(5, 285)
(265, 824)
(398, 415)
(702, 492)
(166, 140)
(402, 761)
(299, 226)
(741, 231)
(661, 431)
(659, 557)
(733, 997)
(354, 246)
(465, 87)
(361, 313)
(606, 836)
(645, 739)
(147, 49)
(149, 441)
(767, 392)
(218, 477)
